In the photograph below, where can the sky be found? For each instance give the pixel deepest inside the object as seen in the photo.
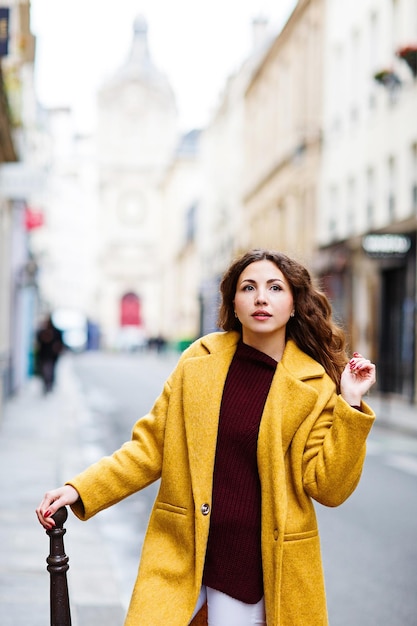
(80, 43)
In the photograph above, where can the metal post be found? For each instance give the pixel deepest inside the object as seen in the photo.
(58, 567)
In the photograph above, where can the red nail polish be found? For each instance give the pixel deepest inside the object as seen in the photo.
(47, 514)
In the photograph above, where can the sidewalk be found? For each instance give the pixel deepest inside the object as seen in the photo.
(39, 449)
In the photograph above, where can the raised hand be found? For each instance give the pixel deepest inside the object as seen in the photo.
(357, 378)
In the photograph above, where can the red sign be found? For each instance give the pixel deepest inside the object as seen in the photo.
(33, 218)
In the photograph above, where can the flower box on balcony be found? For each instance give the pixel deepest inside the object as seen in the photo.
(409, 55)
(388, 78)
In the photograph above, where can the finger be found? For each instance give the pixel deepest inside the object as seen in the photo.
(49, 505)
(365, 365)
(364, 371)
(359, 363)
(53, 507)
(46, 503)
(45, 521)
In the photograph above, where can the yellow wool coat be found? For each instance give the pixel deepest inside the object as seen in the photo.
(311, 445)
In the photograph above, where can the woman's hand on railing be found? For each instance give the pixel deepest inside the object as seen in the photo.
(54, 500)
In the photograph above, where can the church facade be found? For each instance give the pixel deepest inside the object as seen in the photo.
(136, 136)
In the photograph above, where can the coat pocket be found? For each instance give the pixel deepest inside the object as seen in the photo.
(308, 534)
(168, 549)
(303, 596)
(170, 508)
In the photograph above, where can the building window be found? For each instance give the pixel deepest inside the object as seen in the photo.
(355, 86)
(391, 188)
(373, 58)
(414, 177)
(350, 208)
(190, 223)
(370, 197)
(333, 212)
(395, 21)
(336, 92)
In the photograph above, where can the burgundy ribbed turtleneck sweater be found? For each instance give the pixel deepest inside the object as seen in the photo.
(233, 559)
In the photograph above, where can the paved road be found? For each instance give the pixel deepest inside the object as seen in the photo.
(369, 543)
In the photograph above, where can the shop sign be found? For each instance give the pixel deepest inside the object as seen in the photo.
(19, 180)
(4, 31)
(386, 245)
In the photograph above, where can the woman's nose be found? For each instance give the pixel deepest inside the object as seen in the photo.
(260, 298)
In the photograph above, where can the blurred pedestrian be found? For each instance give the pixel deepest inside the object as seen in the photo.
(253, 424)
(49, 347)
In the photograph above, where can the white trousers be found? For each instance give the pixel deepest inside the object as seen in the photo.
(226, 611)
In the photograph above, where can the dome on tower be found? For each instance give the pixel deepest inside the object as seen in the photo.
(140, 25)
(139, 65)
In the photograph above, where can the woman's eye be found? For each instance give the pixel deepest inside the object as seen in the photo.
(276, 287)
(248, 288)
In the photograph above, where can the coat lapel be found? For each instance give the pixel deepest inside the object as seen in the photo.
(290, 400)
(297, 398)
(204, 380)
(296, 401)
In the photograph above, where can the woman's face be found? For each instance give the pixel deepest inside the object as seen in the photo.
(263, 301)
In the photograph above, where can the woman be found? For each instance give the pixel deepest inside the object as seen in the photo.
(253, 424)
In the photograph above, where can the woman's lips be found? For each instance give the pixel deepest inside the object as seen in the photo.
(261, 314)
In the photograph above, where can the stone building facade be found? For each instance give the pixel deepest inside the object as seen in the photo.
(225, 160)
(17, 270)
(181, 190)
(367, 220)
(282, 138)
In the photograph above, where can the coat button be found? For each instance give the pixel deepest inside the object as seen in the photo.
(205, 508)
(276, 534)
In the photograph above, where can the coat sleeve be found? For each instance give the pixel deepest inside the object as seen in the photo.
(132, 467)
(138, 463)
(335, 452)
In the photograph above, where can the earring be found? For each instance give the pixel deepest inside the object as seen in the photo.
(235, 314)
(292, 314)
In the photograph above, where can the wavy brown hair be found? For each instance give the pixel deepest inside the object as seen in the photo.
(312, 327)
